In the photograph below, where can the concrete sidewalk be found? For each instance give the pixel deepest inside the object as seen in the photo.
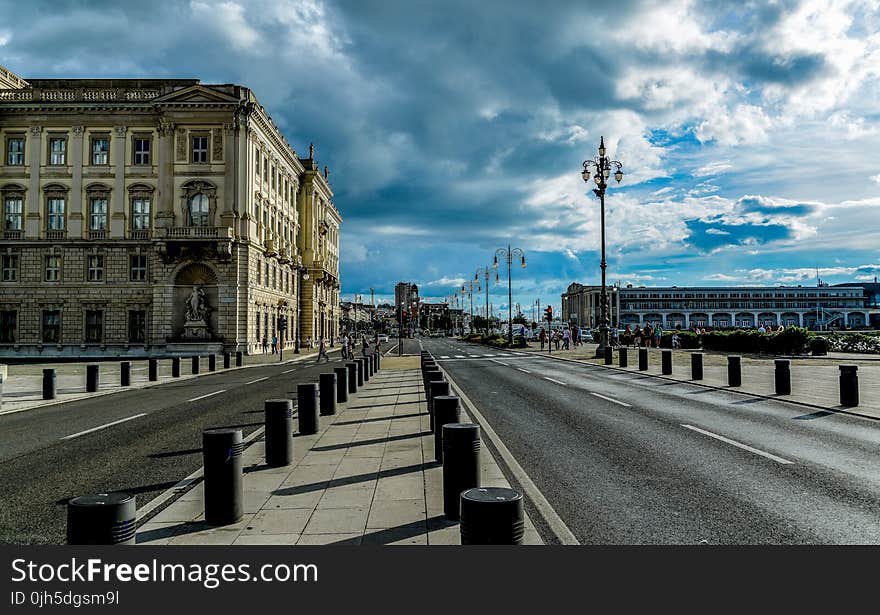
(814, 380)
(23, 386)
(367, 477)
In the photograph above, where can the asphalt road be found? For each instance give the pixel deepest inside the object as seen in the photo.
(625, 458)
(46, 459)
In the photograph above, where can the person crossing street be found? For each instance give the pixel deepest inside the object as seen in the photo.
(322, 350)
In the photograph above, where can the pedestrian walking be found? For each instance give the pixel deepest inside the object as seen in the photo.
(566, 339)
(365, 345)
(265, 344)
(556, 337)
(322, 351)
(627, 336)
(345, 347)
(542, 336)
(658, 335)
(614, 336)
(637, 336)
(274, 344)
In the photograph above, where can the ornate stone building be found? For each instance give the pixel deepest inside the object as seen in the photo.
(150, 216)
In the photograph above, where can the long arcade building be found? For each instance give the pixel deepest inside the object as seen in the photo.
(723, 307)
(149, 216)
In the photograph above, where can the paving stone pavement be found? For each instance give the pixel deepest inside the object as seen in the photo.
(367, 477)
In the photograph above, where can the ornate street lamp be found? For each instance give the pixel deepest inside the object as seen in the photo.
(599, 170)
(509, 255)
(302, 274)
(469, 290)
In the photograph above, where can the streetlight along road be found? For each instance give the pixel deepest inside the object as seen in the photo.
(508, 255)
(599, 169)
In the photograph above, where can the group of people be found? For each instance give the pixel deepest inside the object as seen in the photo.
(348, 344)
(568, 338)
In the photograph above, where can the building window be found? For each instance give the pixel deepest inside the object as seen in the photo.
(140, 213)
(138, 267)
(257, 167)
(94, 326)
(55, 214)
(10, 267)
(95, 268)
(258, 326)
(100, 151)
(273, 178)
(259, 271)
(141, 151)
(15, 151)
(265, 169)
(200, 149)
(97, 213)
(12, 213)
(137, 326)
(51, 326)
(198, 210)
(58, 151)
(53, 268)
(8, 325)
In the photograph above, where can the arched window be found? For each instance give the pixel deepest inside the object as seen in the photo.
(198, 210)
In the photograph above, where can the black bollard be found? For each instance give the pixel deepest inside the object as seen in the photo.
(279, 432)
(734, 371)
(378, 361)
(492, 516)
(461, 464)
(436, 387)
(125, 374)
(623, 358)
(696, 366)
(849, 385)
(175, 367)
(446, 410)
(782, 376)
(153, 370)
(666, 362)
(91, 378)
(227, 360)
(307, 407)
(341, 384)
(352, 367)
(48, 384)
(102, 519)
(435, 375)
(221, 457)
(328, 393)
(609, 355)
(359, 371)
(212, 362)
(195, 364)
(239, 358)
(371, 368)
(643, 359)
(366, 369)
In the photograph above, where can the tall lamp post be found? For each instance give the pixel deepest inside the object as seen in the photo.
(469, 289)
(302, 274)
(509, 254)
(484, 271)
(599, 170)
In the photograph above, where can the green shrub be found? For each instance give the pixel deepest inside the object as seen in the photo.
(793, 340)
(687, 339)
(819, 346)
(853, 342)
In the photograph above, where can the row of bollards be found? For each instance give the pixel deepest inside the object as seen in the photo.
(110, 518)
(93, 372)
(849, 378)
(486, 515)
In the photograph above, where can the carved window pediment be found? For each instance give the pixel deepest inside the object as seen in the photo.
(98, 190)
(56, 190)
(140, 190)
(13, 190)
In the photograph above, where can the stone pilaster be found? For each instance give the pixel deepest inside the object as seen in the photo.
(33, 221)
(75, 204)
(165, 198)
(118, 217)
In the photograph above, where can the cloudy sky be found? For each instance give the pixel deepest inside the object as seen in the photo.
(749, 131)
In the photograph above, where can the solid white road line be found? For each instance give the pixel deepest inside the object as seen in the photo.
(745, 447)
(93, 429)
(524, 370)
(288, 371)
(551, 517)
(459, 356)
(625, 405)
(257, 380)
(445, 356)
(500, 362)
(554, 380)
(208, 395)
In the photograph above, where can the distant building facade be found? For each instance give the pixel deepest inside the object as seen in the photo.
(151, 216)
(723, 307)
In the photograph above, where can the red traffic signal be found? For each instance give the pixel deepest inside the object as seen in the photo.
(548, 313)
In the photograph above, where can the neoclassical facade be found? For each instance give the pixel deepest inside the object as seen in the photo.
(723, 306)
(151, 216)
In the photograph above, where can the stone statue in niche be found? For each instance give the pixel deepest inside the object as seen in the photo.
(196, 313)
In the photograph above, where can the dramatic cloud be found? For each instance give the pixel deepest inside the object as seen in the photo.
(746, 130)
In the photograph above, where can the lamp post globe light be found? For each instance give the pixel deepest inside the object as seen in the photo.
(599, 170)
(302, 274)
(509, 254)
(469, 290)
(484, 272)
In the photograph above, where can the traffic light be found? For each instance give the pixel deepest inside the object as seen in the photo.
(548, 313)
(282, 323)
